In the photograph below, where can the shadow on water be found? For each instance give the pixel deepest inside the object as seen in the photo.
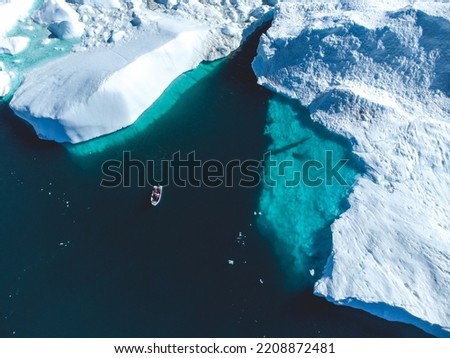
(78, 260)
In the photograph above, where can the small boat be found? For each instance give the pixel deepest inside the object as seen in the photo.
(156, 195)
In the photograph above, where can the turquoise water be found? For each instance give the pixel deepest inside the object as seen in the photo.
(79, 260)
(35, 53)
(298, 216)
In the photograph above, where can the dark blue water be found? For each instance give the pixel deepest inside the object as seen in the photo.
(78, 260)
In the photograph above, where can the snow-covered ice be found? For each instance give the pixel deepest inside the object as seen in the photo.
(11, 11)
(127, 57)
(108, 88)
(379, 74)
(62, 20)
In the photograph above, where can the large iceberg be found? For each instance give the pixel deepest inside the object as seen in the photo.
(11, 11)
(107, 89)
(126, 58)
(5, 79)
(379, 74)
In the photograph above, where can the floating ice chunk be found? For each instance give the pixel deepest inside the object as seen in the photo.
(168, 3)
(261, 281)
(11, 11)
(13, 45)
(231, 262)
(312, 272)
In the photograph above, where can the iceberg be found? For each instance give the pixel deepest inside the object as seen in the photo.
(13, 45)
(377, 73)
(126, 58)
(107, 89)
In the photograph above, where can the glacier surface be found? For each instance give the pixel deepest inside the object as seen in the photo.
(379, 74)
